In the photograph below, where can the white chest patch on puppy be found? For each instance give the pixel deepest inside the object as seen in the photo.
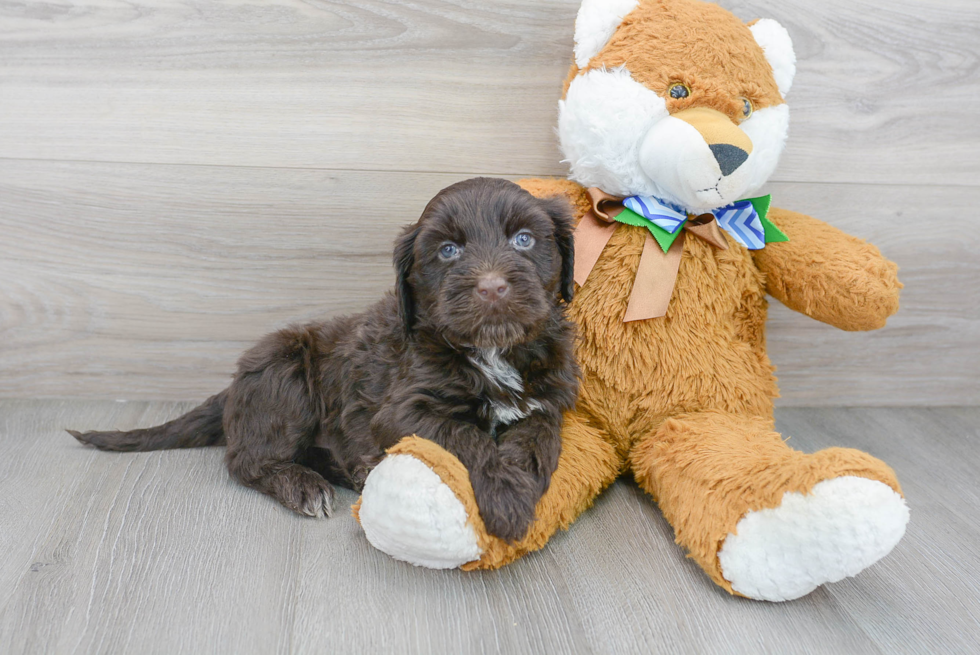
(502, 375)
(507, 414)
(503, 415)
(497, 370)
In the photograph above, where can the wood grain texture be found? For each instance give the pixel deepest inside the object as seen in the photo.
(161, 553)
(929, 352)
(884, 94)
(178, 178)
(97, 572)
(147, 281)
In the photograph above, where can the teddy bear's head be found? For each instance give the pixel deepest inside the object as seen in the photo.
(676, 99)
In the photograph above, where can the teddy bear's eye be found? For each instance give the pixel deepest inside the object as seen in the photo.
(678, 91)
(746, 107)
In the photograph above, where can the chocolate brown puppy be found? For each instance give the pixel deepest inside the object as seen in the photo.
(471, 350)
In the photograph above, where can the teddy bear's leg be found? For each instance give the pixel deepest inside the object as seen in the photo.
(763, 520)
(418, 505)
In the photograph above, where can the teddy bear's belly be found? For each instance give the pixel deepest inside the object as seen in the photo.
(708, 352)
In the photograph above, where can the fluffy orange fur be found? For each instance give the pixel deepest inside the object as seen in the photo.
(692, 419)
(660, 43)
(685, 401)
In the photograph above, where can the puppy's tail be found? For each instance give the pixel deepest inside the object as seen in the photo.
(199, 427)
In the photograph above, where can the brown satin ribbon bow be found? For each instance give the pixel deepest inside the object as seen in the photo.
(657, 273)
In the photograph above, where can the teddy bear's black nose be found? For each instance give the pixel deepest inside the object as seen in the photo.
(728, 157)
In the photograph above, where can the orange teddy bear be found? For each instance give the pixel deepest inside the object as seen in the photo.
(673, 113)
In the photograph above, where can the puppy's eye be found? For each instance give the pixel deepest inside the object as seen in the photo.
(746, 107)
(678, 91)
(448, 251)
(523, 240)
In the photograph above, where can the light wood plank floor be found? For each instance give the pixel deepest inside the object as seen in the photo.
(161, 553)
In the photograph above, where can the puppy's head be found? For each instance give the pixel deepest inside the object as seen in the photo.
(486, 265)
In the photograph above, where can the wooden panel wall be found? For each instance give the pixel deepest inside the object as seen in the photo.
(177, 178)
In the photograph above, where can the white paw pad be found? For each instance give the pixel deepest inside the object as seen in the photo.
(841, 527)
(408, 512)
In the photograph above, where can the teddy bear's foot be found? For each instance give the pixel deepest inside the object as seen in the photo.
(842, 526)
(764, 520)
(418, 505)
(408, 512)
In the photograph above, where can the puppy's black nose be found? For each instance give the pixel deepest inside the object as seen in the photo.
(492, 287)
(729, 158)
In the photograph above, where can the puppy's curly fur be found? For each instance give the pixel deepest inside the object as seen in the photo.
(472, 350)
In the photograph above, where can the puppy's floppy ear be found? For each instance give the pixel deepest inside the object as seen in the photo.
(561, 215)
(404, 259)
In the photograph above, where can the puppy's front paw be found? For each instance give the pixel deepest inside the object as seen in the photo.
(302, 490)
(360, 473)
(506, 499)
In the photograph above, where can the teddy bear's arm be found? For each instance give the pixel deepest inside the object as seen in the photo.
(827, 274)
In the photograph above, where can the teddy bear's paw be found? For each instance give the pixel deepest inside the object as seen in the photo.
(408, 512)
(841, 527)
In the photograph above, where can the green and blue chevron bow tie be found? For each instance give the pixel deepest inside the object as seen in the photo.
(745, 220)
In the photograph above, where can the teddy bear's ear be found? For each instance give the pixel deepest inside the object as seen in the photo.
(595, 24)
(778, 48)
